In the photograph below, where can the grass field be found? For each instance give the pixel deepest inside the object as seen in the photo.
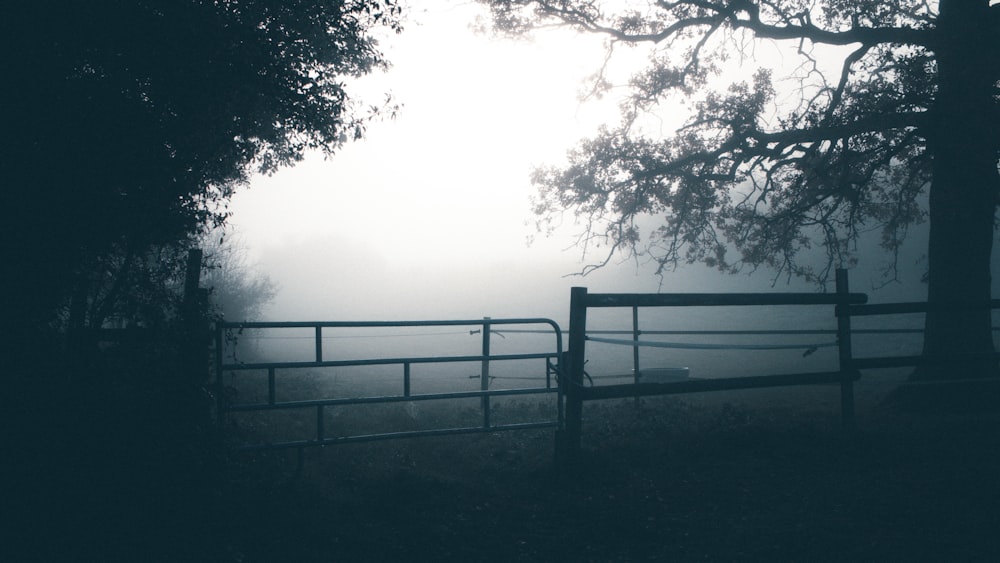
(757, 475)
(764, 475)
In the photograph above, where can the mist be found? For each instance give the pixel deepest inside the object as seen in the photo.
(430, 216)
(340, 278)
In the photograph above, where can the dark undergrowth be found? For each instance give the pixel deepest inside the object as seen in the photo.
(724, 477)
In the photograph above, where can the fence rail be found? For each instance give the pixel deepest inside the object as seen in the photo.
(877, 309)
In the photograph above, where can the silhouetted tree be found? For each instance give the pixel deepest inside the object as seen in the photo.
(128, 123)
(238, 290)
(885, 105)
(125, 286)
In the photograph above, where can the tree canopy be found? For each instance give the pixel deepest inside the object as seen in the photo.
(882, 114)
(129, 123)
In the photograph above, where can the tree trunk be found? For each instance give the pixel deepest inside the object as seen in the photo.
(963, 195)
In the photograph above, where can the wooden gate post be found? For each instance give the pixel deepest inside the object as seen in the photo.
(845, 357)
(571, 385)
(196, 339)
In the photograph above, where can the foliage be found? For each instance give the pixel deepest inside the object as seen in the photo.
(840, 138)
(238, 291)
(130, 123)
(125, 287)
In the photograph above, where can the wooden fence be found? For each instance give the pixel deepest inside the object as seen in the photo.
(573, 392)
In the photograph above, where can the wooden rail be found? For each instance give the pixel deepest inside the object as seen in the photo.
(864, 310)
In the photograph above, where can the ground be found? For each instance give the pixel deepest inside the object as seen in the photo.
(742, 476)
(757, 475)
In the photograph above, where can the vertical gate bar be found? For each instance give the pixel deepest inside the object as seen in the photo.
(635, 348)
(845, 356)
(270, 386)
(319, 344)
(484, 381)
(406, 379)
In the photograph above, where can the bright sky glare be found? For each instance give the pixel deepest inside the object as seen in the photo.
(436, 202)
(429, 216)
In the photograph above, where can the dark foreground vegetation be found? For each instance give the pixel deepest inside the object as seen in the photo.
(730, 476)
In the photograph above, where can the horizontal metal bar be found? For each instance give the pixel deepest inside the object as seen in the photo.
(403, 434)
(700, 385)
(387, 361)
(386, 324)
(389, 399)
(718, 299)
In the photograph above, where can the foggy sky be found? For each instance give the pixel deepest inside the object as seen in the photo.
(429, 216)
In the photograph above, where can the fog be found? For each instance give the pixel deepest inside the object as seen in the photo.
(430, 216)
(342, 278)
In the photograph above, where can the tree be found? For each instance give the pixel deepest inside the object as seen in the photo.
(888, 105)
(126, 286)
(129, 123)
(238, 290)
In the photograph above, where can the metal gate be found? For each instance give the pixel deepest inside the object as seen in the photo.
(277, 371)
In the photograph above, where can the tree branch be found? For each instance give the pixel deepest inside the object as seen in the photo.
(743, 14)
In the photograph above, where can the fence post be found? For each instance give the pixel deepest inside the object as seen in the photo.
(220, 385)
(845, 357)
(568, 437)
(319, 344)
(196, 338)
(484, 381)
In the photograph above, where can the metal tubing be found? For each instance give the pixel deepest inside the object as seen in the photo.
(635, 337)
(484, 375)
(396, 435)
(320, 405)
(385, 361)
(391, 324)
(389, 399)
